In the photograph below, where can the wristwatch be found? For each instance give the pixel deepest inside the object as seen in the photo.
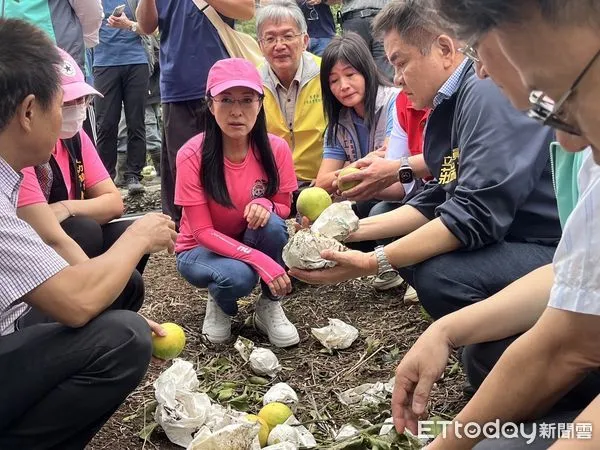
(385, 271)
(405, 173)
(134, 27)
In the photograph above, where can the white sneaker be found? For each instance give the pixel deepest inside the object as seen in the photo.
(217, 324)
(410, 296)
(384, 285)
(270, 319)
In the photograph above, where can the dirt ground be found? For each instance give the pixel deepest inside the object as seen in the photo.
(387, 330)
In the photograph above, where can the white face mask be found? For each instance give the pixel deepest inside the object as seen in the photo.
(72, 120)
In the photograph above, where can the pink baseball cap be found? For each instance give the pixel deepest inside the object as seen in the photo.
(72, 79)
(233, 72)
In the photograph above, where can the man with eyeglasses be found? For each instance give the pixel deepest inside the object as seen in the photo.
(490, 215)
(562, 345)
(486, 329)
(292, 86)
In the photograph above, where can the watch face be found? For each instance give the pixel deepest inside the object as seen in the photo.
(388, 275)
(405, 175)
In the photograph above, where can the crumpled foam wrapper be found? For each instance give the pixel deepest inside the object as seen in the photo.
(241, 435)
(264, 362)
(244, 347)
(305, 437)
(336, 221)
(281, 446)
(283, 433)
(183, 412)
(367, 394)
(282, 393)
(338, 335)
(304, 250)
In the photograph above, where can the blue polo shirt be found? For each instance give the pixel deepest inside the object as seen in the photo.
(118, 47)
(189, 47)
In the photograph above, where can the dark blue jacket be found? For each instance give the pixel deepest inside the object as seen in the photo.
(491, 166)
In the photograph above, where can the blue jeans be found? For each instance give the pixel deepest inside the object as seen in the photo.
(317, 45)
(228, 279)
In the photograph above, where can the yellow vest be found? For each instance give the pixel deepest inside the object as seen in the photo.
(306, 137)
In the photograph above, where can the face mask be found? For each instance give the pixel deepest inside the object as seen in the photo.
(72, 121)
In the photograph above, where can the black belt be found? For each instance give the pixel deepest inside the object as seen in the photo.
(359, 14)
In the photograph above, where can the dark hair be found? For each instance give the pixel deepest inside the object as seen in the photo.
(29, 64)
(473, 18)
(415, 21)
(352, 49)
(212, 172)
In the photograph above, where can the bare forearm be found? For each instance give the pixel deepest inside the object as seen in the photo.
(80, 292)
(147, 16)
(513, 310)
(102, 209)
(590, 415)
(395, 192)
(418, 166)
(398, 222)
(69, 250)
(234, 9)
(431, 239)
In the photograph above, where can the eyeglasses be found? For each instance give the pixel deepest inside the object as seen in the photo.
(545, 110)
(81, 101)
(469, 51)
(286, 39)
(245, 103)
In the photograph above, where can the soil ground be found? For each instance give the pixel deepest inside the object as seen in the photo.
(387, 328)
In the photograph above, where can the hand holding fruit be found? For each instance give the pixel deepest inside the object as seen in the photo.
(312, 202)
(375, 175)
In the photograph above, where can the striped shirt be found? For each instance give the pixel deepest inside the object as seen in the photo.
(451, 85)
(25, 260)
(577, 258)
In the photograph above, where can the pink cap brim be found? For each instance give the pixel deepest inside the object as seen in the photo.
(76, 90)
(217, 89)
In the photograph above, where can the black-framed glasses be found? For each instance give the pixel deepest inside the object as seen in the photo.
(547, 111)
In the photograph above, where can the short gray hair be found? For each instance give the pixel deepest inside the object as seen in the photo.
(416, 21)
(278, 11)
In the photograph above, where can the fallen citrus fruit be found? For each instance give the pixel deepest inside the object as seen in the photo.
(312, 202)
(275, 413)
(344, 186)
(263, 434)
(171, 345)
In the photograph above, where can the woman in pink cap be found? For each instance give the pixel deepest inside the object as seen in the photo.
(235, 184)
(71, 200)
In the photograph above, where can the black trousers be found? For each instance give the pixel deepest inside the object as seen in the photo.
(127, 85)
(181, 122)
(362, 26)
(61, 384)
(451, 281)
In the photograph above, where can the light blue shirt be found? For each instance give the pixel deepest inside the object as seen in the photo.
(451, 85)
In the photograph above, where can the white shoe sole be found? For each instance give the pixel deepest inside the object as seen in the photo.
(282, 343)
(385, 286)
(411, 297)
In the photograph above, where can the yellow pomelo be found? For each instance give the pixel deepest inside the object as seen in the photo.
(171, 345)
(345, 185)
(312, 202)
(263, 434)
(275, 413)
